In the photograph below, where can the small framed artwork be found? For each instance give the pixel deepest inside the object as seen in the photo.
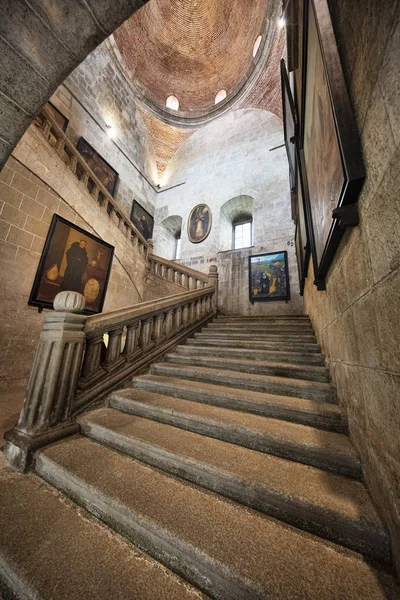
(142, 220)
(199, 223)
(103, 171)
(269, 277)
(72, 260)
(329, 141)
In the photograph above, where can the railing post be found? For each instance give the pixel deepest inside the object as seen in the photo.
(114, 356)
(213, 282)
(131, 344)
(91, 369)
(46, 413)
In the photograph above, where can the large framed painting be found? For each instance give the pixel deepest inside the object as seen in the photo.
(269, 277)
(290, 124)
(103, 171)
(199, 223)
(72, 259)
(329, 142)
(142, 220)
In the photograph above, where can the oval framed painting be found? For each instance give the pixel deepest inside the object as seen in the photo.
(199, 223)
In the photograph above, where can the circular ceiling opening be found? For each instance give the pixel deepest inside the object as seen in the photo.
(220, 96)
(172, 103)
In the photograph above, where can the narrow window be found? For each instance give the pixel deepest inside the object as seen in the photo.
(242, 235)
(172, 103)
(177, 252)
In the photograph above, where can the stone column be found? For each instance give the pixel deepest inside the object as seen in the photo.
(47, 411)
(213, 282)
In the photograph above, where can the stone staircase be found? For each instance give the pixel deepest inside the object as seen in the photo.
(230, 465)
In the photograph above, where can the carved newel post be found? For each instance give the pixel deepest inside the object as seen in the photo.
(213, 282)
(47, 411)
(150, 247)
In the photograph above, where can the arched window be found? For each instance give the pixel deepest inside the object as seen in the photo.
(236, 223)
(242, 234)
(256, 45)
(172, 103)
(168, 237)
(220, 96)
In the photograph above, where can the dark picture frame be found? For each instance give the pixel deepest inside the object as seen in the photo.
(199, 223)
(104, 172)
(303, 250)
(269, 277)
(290, 124)
(329, 145)
(142, 220)
(72, 259)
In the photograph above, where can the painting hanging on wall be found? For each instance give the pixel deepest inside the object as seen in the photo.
(72, 260)
(269, 277)
(103, 171)
(329, 141)
(142, 220)
(199, 223)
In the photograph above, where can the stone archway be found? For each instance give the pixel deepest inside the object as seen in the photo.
(41, 43)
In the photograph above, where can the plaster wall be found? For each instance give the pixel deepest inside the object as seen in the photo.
(357, 319)
(95, 95)
(35, 184)
(228, 158)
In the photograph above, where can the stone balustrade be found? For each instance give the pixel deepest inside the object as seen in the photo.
(83, 172)
(81, 359)
(178, 274)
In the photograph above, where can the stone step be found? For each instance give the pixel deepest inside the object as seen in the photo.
(284, 386)
(331, 506)
(287, 346)
(249, 331)
(305, 328)
(49, 550)
(322, 415)
(308, 445)
(308, 372)
(274, 337)
(266, 319)
(226, 550)
(253, 354)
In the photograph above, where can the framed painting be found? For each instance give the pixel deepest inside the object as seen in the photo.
(290, 124)
(142, 220)
(75, 260)
(199, 223)
(269, 277)
(103, 171)
(329, 142)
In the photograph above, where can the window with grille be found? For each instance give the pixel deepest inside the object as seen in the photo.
(242, 235)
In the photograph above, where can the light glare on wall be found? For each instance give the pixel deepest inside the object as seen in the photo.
(281, 22)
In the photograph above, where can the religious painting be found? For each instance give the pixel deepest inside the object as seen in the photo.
(330, 145)
(142, 220)
(289, 124)
(199, 223)
(269, 277)
(58, 118)
(103, 171)
(72, 260)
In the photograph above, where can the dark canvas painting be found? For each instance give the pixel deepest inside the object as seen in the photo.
(103, 171)
(199, 223)
(72, 260)
(269, 277)
(142, 220)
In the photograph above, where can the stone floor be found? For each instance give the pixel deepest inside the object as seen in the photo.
(10, 406)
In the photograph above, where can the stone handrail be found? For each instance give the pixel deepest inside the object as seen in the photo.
(73, 366)
(176, 273)
(75, 161)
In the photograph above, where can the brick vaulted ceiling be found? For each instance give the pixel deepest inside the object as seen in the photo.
(192, 49)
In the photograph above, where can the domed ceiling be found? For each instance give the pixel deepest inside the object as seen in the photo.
(191, 49)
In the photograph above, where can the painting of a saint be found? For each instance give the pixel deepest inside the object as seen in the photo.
(199, 223)
(142, 220)
(269, 277)
(72, 260)
(103, 171)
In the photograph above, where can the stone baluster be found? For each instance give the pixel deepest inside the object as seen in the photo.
(85, 178)
(72, 163)
(213, 282)
(168, 324)
(145, 334)
(178, 319)
(113, 359)
(135, 241)
(158, 328)
(184, 281)
(46, 128)
(91, 368)
(60, 145)
(197, 310)
(46, 413)
(131, 345)
(192, 315)
(95, 192)
(185, 315)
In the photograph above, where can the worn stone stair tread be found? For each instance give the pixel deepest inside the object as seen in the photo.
(330, 505)
(314, 373)
(258, 336)
(253, 354)
(50, 550)
(262, 345)
(225, 549)
(299, 410)
(263, 319)
(285, 386)
(303, 331)
(325, 449)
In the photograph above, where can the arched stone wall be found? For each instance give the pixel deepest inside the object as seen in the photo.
(240, 207)
(166, 234)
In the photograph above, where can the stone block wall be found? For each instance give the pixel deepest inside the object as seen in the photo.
(357, 319)
(27, 204)
(228, 158)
